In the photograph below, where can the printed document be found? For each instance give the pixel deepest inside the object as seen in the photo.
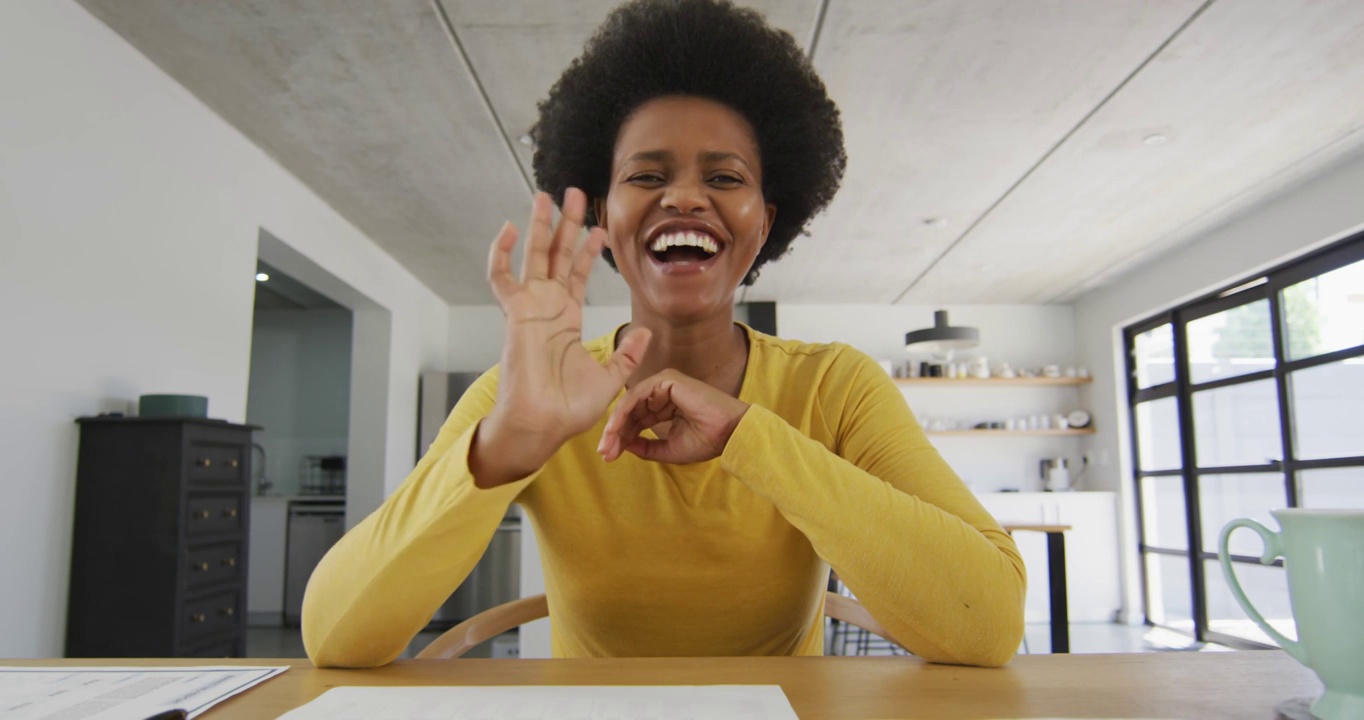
(569, 702)
(120, 693)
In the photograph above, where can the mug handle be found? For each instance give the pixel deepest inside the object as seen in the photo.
(1273, 549)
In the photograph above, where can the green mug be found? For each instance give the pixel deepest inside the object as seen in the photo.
(1323, 551)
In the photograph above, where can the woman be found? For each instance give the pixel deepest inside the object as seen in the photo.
(699, 511)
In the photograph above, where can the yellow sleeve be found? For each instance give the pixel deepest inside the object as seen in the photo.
(380, 584)
(887, 513)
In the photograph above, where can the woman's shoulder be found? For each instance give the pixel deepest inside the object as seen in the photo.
(791, 356)
(800, 351)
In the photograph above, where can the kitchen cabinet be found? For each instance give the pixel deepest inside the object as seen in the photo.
(1092, 561)
(159, 546)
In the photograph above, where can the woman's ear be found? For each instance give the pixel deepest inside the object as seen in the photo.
(599, 207)
(770, 216)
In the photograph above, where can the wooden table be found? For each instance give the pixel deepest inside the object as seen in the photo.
(1056, 579)
(1198, 686)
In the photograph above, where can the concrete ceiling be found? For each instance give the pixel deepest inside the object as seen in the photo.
(1054, 144)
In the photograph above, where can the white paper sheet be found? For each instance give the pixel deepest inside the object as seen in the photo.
(120, 693)
(575, 702)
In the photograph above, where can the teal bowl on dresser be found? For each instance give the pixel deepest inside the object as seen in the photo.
(172, 406)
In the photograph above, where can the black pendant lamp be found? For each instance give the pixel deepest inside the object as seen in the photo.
(941, 338)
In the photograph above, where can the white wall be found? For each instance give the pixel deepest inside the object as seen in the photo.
(1319, 211)
(129, 218)
(299, 389)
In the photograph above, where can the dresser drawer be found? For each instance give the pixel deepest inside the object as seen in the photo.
(209, 616)
(213, 515)
(215, 649)
(213, 565)
(217, 464)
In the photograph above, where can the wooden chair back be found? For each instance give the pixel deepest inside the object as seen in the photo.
(494, 621)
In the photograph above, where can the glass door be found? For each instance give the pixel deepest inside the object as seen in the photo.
(1241, 403)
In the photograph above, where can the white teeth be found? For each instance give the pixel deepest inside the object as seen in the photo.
(681, 239)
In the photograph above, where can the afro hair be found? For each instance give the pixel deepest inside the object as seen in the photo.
(705, 48)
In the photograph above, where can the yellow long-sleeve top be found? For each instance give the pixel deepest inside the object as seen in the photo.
(828, 467)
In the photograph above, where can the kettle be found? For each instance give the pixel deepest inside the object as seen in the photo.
(1055, 474)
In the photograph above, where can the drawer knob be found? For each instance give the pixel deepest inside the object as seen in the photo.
(197, 618)
(232, 513)
(201, 515)
(230, 561)
(228, 612)
(231, 463)
(203, 462)
(201, 567)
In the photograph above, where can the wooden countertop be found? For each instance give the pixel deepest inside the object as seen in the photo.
(1197, 686)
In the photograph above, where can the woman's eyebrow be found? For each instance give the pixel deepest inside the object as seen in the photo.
(650, 156)
(720, 156)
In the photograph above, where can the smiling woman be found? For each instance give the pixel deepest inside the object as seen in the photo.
(700, 511)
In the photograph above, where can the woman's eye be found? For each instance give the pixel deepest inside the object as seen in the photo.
(727, 179)
(647, 178)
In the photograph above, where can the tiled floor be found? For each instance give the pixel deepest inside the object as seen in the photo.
(1090, 638)
(1084, 638)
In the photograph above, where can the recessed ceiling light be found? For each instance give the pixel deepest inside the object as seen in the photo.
(935, 222)
(525, 140)
(1154, 140)
(262, 277)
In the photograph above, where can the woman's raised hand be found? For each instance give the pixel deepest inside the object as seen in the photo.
(550, 388)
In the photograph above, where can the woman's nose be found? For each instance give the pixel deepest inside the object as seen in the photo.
(685, 196)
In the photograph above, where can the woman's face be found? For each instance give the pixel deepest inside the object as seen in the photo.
(684, 214)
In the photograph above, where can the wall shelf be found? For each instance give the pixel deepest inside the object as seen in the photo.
(1070, 431)
(995, 382)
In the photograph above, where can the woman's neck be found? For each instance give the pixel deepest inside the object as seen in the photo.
(713, 350)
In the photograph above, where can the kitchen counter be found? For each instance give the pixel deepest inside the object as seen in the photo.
(290, 498)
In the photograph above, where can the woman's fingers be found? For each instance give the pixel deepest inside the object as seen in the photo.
(499, 262)
(582, 264)
(630, 404)
(539, 239)
(567, 234)
(627, 357)
(700, 420)
(656, 450)
(644, 406)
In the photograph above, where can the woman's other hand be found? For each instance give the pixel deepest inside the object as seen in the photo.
(700, 420)
(550, 388)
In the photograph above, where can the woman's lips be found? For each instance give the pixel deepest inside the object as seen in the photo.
(693, 240)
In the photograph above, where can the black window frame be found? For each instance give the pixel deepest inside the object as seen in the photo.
(1267, 285)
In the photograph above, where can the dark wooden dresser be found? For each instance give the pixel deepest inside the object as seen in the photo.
(158, 560)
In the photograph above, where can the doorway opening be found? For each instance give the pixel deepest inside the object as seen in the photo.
(318, 387)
